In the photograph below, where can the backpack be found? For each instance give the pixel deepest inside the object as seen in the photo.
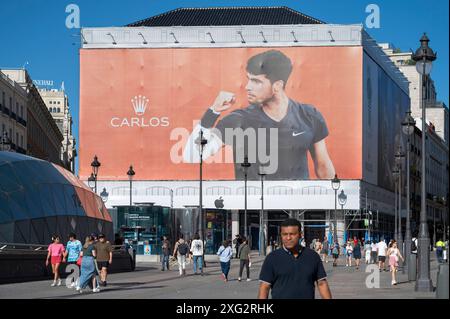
(183, 249)
(413, 245)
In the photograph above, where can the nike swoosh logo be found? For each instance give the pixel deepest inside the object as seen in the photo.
(297, 134)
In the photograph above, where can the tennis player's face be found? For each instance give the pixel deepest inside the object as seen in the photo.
(259, 89)
(290, 236)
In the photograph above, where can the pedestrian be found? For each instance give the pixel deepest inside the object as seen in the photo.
(292, 272)
(348, 254)
(225, 253)
(373, 253)
(180, 251)
(165, 253)
(313, 244)
(244, 259)
(394, 254)
(318, 246)
(381, 252)
(72, 254)
(197, 254)
(237, 242)
(336, 252)
(440, 245)
(55, 257)
(368, 251)
(357, 253)
(104, 254)
(325, 248)
(88, 269)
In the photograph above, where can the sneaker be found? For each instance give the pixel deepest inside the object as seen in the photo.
(346, 265)
(78, 288)
(239, 279)
(72, 285)
(59, 282)
(248, 279)
(53, 284)
(96, 290)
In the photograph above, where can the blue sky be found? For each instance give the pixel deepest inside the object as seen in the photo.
(35, 30)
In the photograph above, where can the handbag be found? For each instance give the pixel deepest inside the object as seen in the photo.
(79, 261)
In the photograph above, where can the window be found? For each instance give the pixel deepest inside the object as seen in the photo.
(10, 103)
(21, 141)
(59, 102)
(59, 110)
(21, 111)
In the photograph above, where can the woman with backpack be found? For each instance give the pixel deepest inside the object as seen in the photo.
(225, 252)
(179, 252)
(335, 252)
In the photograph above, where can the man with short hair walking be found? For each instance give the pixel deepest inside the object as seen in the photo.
(293, 272)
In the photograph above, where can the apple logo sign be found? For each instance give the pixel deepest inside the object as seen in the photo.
(219, 202)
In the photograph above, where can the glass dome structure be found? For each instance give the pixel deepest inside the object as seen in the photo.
(39, 199)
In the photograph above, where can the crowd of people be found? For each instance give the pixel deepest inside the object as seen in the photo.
(92, 260)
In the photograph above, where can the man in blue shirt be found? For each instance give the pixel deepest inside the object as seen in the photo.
(292, 271)
(73, 250)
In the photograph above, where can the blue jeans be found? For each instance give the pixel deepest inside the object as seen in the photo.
(226, 268)
(164, 262)
(440, 254)
(200, 260)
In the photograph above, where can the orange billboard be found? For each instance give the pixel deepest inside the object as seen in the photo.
(293, 112)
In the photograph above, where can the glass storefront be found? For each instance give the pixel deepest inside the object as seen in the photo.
(143, 226)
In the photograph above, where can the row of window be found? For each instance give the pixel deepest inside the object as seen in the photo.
(55, 102)
(54, 110)
(11, 107)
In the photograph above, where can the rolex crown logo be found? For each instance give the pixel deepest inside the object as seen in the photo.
(139, 104)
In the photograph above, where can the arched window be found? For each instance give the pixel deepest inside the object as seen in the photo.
(59, 110)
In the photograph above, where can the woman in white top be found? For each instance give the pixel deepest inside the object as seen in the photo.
(394, 254)
(349, 254)
(368, 251)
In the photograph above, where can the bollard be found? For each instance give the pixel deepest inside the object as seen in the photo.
(412, 267)
(442, 282)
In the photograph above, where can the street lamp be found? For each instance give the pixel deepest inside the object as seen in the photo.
(104, 195)
(408, 126)
(335, 184)
(399, 156)
(262, 250)
(434, 219)
(5, 142)
(424, 56)
(201, 141)
(131, 174)
(396, 174)
(342, 198)
(95, 166)
(91, 181)
(245, 166)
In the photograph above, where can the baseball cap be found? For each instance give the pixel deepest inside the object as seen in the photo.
(101, 236)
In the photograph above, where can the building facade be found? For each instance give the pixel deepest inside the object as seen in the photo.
(13, 115)
(57, 103)
(437, 112)
(364, 106)
(44, 139)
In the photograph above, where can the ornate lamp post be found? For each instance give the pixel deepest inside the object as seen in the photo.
(424, 56)
(245, 166)
(399, 159)
(131, 174)
(104, 195)
(408, 129)
(335, 184)
(262, 248)
(95, 166)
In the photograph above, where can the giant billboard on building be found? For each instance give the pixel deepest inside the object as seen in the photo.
(295, 112)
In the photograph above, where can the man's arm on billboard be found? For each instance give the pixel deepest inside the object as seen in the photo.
(322, 163)
(191, 152)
